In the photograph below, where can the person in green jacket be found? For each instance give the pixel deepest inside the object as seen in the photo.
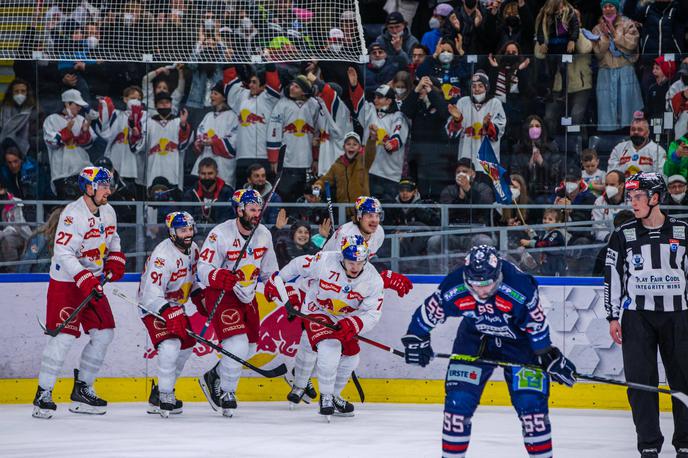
(677, 158)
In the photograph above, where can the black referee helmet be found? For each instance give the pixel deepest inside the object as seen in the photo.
(648, 181)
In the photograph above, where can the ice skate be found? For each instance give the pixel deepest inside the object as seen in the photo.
(154, 402)
(327, 406)
(44, 407)
(167, 404)
(649, 453)
(295, 396)
(309, 393)
(210, 384)
(84, 398)
(228, 403)
(343, 408)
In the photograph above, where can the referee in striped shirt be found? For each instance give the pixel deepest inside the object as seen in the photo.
(645, 275)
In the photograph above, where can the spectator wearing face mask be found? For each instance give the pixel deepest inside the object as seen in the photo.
(514, 22)
(449, 67)
(677, 159)
(437, 24)
(156, 81)
(613, 196)
(573, 192)
(382, 120)
(125, 133)
(20, 117)
(209, 188)
(68, 136)
(640, 153)
(476, 117)
(396, 38)
(382, 67)
(676, 196)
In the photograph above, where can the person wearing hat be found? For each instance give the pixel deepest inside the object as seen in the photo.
(617, 83)
(381, 120)
(436, 23)
(475, 117)
(396, 38)
(416, 212)
(68, 136)
(348, 175)
(663, 72)
(676, 185)
(125, 133)
(167, 140)
(216, 136)
(382, 67)
(292, 128)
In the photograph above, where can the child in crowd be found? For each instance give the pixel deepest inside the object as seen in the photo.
(551, 262)
(591, 174)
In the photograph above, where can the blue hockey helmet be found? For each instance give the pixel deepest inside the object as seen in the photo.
(242, 197)
(95, 176)
(483, 267)
(366, 204)
(178, 220)
(355, 248)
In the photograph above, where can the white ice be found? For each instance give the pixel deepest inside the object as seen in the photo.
(271, 430)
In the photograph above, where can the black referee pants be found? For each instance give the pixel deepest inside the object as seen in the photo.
(643, 331)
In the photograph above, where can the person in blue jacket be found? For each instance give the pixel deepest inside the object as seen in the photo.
(502, 321)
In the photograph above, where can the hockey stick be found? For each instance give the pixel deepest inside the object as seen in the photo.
(242, 253)
(70, 318)
(270, 373)
(330, 211)
(683, 397)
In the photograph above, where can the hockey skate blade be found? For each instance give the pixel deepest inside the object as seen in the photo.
(342, 414)
(155, 410)
(80, 407)
(228, 413)
(328, 418)
(45, 414)
(164, 413)
(292, 406)
(206, 391)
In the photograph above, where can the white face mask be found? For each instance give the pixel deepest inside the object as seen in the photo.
(446, 57)
(92, 42)
(336, 47)
(570, 187)
(133, 103)
(434, 23)
(611, 191)
(377, 63)
(479, 97)
(515, 193)
(678, 197)
(400, 91)
(19, 99)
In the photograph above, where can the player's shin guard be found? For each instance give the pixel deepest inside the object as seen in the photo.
(456, 434)
(94, 353)
(54, 354)
(181, 361)
(347, 365)
(329, 355)
(168, 352)
(230, 370)
(304, 362)
(537, 434)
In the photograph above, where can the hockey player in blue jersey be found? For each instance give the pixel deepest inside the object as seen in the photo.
(503, 320)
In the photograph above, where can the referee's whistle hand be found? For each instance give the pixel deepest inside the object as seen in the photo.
(615, 331)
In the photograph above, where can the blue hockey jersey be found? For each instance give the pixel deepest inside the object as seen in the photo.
(513, 312)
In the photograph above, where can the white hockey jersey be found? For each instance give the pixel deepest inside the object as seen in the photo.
(166, 142)
(253, 111)
(334, 122)
(221, 128)
(125, 152)
(333, 293)
(67, 154)
(625, 158)
(470, 128)
(292, 124)
(169, 276)
(387, 127)
(83, 240)
(221, 250)
(350, 228)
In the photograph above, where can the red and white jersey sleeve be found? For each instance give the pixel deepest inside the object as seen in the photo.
(332, 292)
(125, 156)
(350, 228)
(221, 129)
(66, 147)
(222, 247)
(83, 240)
(168, 277)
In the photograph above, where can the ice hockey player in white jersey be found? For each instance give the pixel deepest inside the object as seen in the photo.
(86, 247)
(167, 283)
(124, 131)
(236, 320)
(216, 137)
(346, 291)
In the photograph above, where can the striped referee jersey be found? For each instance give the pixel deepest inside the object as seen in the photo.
(646, 269)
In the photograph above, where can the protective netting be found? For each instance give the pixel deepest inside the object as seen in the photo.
(214, 31)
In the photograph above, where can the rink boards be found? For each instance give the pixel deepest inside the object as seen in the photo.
(574, 307)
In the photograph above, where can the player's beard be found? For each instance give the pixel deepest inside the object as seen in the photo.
(248, 223)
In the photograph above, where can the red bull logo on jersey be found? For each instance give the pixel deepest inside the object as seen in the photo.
(68, 221)
(159, 262)
(247, 274)
(164, 147)
(474, 131)
(123, 137)
(246, 118)
(450, 91)
(335, 306)
(298, 128)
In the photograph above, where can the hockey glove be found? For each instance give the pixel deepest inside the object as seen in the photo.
(198, 299)
(270, 290)
(114, 265)
(222, 279)
(349, 327)
(87, 283)
(396, 281)
(296, 299)
(559, 368)
(175, 320)
(417, 350)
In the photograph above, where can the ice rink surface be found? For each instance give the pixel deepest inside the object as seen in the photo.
(271, 430)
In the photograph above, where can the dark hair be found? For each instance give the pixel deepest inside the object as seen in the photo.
(588, 154)
(447, 41)
(253, 167)
(207, 162)
(129, 89)
(623, 217)
(30, 100)
(558, 214)
(420, 46)
(620, 175)
(465, 162)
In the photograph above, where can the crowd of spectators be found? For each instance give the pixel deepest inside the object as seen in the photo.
(443, 78)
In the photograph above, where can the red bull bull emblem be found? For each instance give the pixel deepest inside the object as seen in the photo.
(248, 119)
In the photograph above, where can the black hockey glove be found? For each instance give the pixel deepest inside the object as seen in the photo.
(417, 350)
(559, 368)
